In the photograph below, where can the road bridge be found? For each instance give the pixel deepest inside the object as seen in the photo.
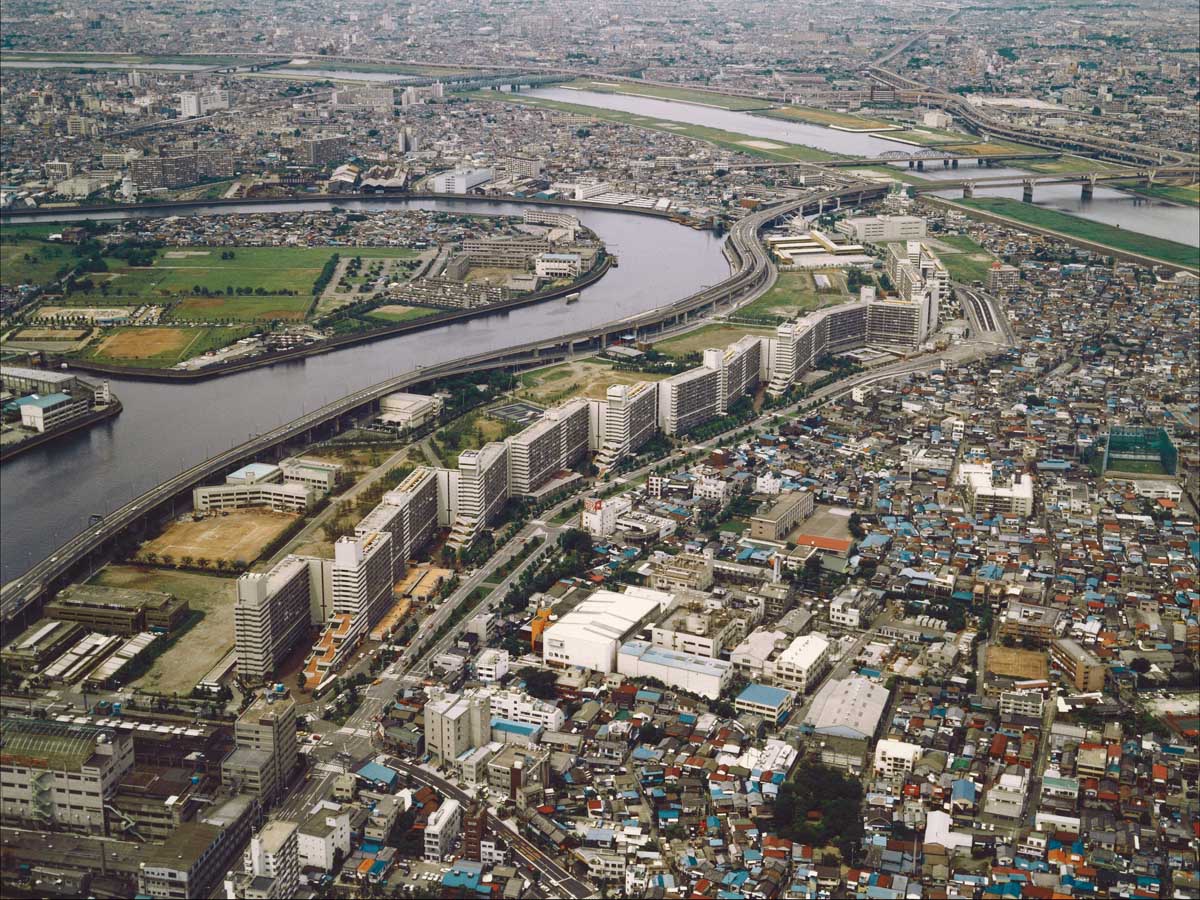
(1087, 180)
(752, 270)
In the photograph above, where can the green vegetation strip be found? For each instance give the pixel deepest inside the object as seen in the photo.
(972, 261)
(727, 140)
(663, 92)
(1086, 230)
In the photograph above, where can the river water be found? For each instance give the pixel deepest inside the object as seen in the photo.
(1155, 217)
(47, 495)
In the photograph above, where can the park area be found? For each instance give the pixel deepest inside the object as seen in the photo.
(238, 536)
(795, 293)
(394, 313)
(470, 432)
(160, 347)
(963, 257)
(1087, 230)
(709, 336)
(203, 639)
(585, 378)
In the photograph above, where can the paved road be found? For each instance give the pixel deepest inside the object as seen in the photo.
(554, 878)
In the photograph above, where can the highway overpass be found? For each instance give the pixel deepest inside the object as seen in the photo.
(752, 270)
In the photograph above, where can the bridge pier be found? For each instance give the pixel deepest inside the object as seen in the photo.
(1027, 191)
(920, 165)
(946, 163)
(1087, 189)
(954, 163)
(979, 163)
(912, 164)
(968, 190)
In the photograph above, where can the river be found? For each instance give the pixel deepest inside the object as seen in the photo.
(47, 495)
(1171, 221)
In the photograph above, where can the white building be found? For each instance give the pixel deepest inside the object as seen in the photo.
(883, 229)
(317, 474)
(278, 497)
(43, 413)
(987, 492)
(460, 181)
(362, 578)
(409, 410)
(456, 724)
(895, 759)
(189, 104)
(803, 663)
(555, 442)
(271, 863)
(492, 665)
(483, 489)
(696, 674)
(599, 516)
(622, 422)
(520, 707)
(271, 615)
(689, 399)
(798, 344)
(441, 829)
(558, 265)
(589, 635)
(321, 835)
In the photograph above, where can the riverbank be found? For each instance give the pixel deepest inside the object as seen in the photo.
(434, 320)
(12, 451)
(1096, 236)
(726, 140)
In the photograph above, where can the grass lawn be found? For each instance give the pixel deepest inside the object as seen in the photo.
(728, 140)
(1065, 165)
(709, 336)
(394, 312)
(794, 293)
(1084, 229)
(159, 347)
(1134, 467)
(582, 378)
(1188, 194)
(185, 663)
(683, 94)
(241, 309)
(470, 432)
(970, 262)
(31, 261)
(826, 117)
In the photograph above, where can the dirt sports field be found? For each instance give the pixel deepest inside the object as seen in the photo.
(143, 343)
(239, 536)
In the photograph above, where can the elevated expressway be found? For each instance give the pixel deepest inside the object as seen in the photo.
(753, 271)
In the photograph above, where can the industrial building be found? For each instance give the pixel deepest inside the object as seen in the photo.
(845, 715)
(409, 410)
(588, 636)
(117, 610)
(701, 675)
(803, 663)
(60, 775)
(461, 181)
(882, 229)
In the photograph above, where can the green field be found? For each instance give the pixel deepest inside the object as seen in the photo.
(662, 92)
(1188, 194)
(794, 293)
(709, 336)
(1066, 165)
(727, 140)
(158, 348)
(32, 261)
(1096, 232)
(971, 263)
(824, 117)
(385, 315)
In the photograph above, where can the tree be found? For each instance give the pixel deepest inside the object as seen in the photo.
(1140, 664)
(186, 561)
(539, 683)
(202, 562)
(168, 559)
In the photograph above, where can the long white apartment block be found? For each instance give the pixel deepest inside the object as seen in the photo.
(270, 616)
(409, 513)
(554, 442)
(362, 577)
(623, 421)
(798, 344)
(482, 490)
(689, 399)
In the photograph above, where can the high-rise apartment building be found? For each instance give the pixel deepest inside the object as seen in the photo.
(623, 421)
(270, 616)
(689, 399)
(362, 577)
(265, 735)
(482, 490)
(456, 723)
(556, 441)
